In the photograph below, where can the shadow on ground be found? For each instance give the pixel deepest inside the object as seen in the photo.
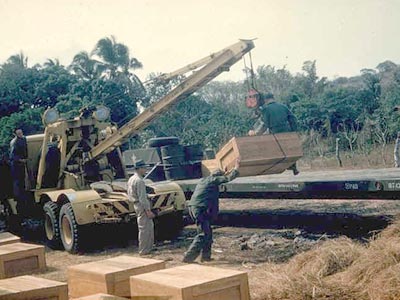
(349, 224)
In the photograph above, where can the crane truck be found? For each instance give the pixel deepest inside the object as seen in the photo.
(79, 178)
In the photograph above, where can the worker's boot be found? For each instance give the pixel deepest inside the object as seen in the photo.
(189, 257)
(206, 251)
(294, 169)
(206, 259)
(194, 250)
(296, 172)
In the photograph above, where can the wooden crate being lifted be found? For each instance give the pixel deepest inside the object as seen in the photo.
(191, 282)
(110, 276)
(262, 154)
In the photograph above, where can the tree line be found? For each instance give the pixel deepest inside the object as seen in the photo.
(358, 110)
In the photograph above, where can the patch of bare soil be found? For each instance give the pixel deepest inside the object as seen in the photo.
(252, 235)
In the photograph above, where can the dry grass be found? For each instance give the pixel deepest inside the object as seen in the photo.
(357, 160)
(337, 269)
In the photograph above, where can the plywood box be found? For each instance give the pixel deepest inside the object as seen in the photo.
(8, 238)
(101, 296)
(192, 282)
(208, 166)
(110, 276)
(20, 259)
(29, 287)
(261, 155)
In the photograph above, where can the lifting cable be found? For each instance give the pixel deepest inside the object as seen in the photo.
(253, 81)
(252, 84)
(247, 74)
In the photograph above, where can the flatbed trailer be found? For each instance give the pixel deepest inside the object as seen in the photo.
(335, 184)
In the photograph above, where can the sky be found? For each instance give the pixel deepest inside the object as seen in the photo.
(343, 36)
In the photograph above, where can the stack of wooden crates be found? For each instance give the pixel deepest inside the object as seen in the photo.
(148, 279)
(17, 259)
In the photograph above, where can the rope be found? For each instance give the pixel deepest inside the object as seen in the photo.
(253, 83)
(247, 75)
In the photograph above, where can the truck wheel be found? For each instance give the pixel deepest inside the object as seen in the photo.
(69, 229)
(168, 227)
(51, 224)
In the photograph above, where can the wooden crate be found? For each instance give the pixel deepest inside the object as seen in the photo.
(194, 282)
(261, 155)
(208, 166)
(110, 276)
(29, 287)
(101, 296)
(8, 238)
(21, 259)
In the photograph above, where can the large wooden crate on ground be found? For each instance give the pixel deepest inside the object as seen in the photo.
(194, 282)
(21, 259)
(8, 238)
(261, 155)
(110, 276)
(29, 287)
(101, 296)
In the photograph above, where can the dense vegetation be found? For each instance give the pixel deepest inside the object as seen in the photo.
(358, 110)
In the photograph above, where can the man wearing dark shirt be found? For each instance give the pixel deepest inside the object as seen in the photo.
(274, 118)
(18, 157)
(203, 208)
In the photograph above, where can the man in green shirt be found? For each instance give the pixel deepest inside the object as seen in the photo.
(203, 208)
(274, 118)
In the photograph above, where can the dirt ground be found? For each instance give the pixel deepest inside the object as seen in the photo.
(247, 234)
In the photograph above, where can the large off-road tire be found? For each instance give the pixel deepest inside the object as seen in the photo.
(69, 229)
(52, 225)
(168, 227)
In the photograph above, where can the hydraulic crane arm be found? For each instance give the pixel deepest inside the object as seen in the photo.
(190, 67)
(214, 65)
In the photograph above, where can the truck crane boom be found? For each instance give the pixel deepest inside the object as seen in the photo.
(190, 67)
(214, 65)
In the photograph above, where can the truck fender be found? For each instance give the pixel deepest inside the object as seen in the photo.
(80, 201)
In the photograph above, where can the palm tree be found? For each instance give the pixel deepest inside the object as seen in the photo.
(51, 63)
(118, 64)
(86, 67)
(115, 57)
(18, 60)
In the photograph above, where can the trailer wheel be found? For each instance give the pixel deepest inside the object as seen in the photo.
(51, 224)
(69, 229)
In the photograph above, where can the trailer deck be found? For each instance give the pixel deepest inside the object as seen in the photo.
(349, 184)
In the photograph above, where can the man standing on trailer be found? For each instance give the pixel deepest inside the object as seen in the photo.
(137, 194)
(273, 118)
(203, 208)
